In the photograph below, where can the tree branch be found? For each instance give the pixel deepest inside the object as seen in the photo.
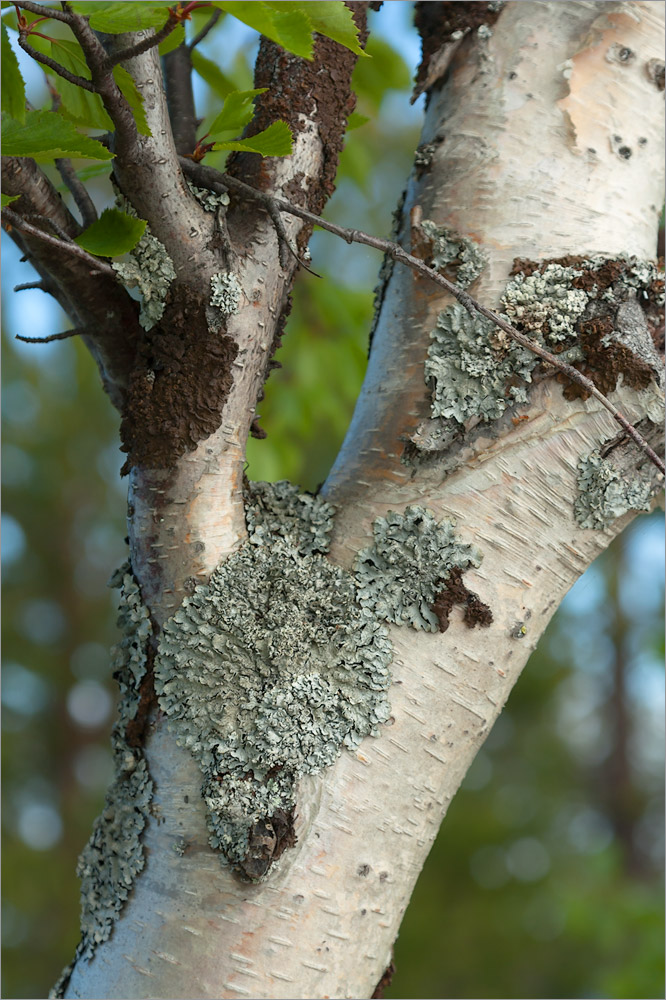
(78, 81)
(79, 192)
(180, 98)
(208, 26)
(75, 332)
(36, 8)
(98, 266)
(146, 43)
(207, 177)
(102, 304)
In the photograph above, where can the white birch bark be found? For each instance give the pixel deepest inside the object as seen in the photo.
(520, 113)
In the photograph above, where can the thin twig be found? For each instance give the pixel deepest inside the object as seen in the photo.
(78, 81)
(30, 284)
(77, 331)
(208, 26)
(143, 46)
(57, 229)
(215, 181)
(36, 8)
(84, 202)
(99, 267)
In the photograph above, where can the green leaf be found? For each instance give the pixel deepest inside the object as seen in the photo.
(288, 24)
(236, 113)
(46, 135)
(130, 92)
(77, 104)
(331, 18)
(355, 121)
(94, 170)
(115, 18)
(212, 74)
(114, 234)
(273, 141)
(387, 70)
(13, 87)
(172, 41)
(7, 199)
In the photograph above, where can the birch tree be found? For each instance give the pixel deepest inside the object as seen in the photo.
(305, 679)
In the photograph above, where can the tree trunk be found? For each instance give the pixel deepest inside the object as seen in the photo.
(542, 140)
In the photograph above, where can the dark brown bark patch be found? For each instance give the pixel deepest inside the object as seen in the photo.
(318, 90)
(136, 728)
(437, 22)
(384, 982)
(179, 384)
(455, 592)
(605, 362)
(268, 839)
(606, 356)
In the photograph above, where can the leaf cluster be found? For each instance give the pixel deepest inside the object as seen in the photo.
(64, 131)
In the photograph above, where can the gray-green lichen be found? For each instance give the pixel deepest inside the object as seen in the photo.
(272, 668)
(606, 492)
(468, 376)
(545, 303)
(209, 200)
(225, 292)
(150, 269)
(400, 575)
(475, 371)
(279, 510)
(114, 854)
(450, 249)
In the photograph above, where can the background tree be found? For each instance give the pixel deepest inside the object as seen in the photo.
(312, 484)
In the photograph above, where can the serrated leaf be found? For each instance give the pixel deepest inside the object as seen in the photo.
(237, 112)
(114, 234)
(130, 92)
(276, 140)
(77, 104)
(331, 18)
(13, 87)
(116, 18)
(7, 199)
(46, 135)
(355, 120)
(211, 73)
(290, 27)
(172, 41)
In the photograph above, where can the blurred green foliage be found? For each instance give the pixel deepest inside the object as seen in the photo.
(535, 886)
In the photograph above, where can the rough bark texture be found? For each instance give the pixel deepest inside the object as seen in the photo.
(323, 922)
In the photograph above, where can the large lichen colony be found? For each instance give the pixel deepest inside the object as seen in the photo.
(475, 371)
(281, 660)
(271, 668)
(114, 854)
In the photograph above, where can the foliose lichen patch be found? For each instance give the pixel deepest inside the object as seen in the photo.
(225, 292)
(606, 492)
(269, 671)
(209, 200)
(469, 376)
(450, 251)
(400, 575)
(114, 854)
(150, 269)
(585, 310)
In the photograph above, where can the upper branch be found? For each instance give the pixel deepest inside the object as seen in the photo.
(94, 301)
